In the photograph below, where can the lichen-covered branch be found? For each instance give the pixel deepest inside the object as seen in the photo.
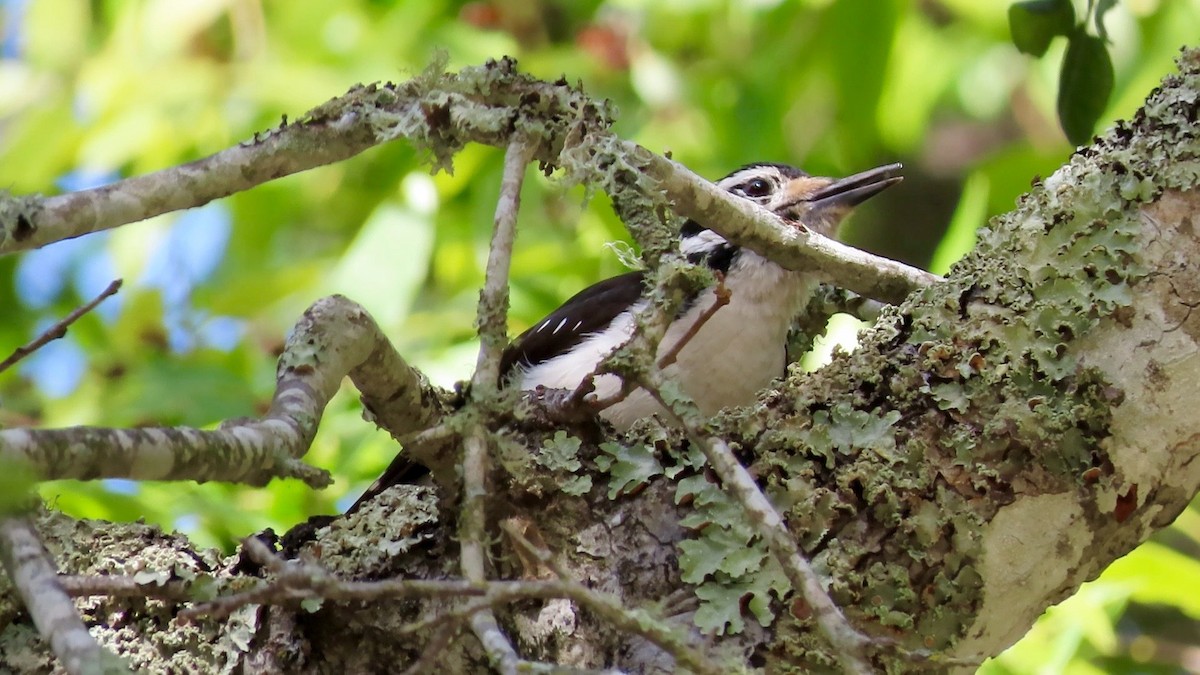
(754, 227)
(34, 576)
(436, 111)
(1001, 437)
(335, 337)
(849, 646)
(440, 112)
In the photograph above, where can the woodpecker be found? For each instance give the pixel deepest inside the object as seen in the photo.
(733, 354)
(741, 347)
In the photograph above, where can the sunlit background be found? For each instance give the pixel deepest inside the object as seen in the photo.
(91, 92)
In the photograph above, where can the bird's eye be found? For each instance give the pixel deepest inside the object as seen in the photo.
(758, 187)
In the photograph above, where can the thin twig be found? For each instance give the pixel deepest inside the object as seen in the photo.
(262, 555)
(59, 329)
(33, 574)
(493, 316)
(472, 532)
(123, 586)
(749, 224)
(501, 653)
(296, 580)
(335, 337)
(848, 644)
(493, 299)
(721, 296)
(432, 651)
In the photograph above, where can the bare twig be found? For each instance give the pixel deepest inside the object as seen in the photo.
(848, 644)
(501, 653)
(262, 555)
(59, 329)
(432, 651)
(493, 313)
(33, 574)
(721, 296)
(493, 300)
(296, 580)
(472, 532)
(122, 586)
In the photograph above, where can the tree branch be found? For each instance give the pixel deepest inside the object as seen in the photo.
(335, 337)
(492, 320)
(34, 575)
(442, 112)
(752, 226)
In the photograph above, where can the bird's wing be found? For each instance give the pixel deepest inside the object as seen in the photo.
(587, 312)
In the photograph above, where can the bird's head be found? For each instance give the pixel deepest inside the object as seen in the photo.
(815, 202)
(800, 200)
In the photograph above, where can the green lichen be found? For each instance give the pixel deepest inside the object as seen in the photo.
(561, 454)
(360, 545)
(985, 379)
(726, 559)
(145, 633)
(630, 467)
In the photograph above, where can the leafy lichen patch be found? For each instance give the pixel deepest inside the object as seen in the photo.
(144, 632)
(360, 545)
(904, 508)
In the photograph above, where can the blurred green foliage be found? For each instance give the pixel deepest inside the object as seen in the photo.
(106, 89)
(1086, 79)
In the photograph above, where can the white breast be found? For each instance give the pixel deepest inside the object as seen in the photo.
(737, 352)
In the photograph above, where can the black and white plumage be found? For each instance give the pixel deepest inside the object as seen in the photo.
(741, 347)
(734, 354)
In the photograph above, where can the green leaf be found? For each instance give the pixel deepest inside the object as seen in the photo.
(1036, 22)
(1102, 7)
(1083, 86)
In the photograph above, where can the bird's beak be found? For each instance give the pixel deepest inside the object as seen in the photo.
(853, 190)
(821, 203)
